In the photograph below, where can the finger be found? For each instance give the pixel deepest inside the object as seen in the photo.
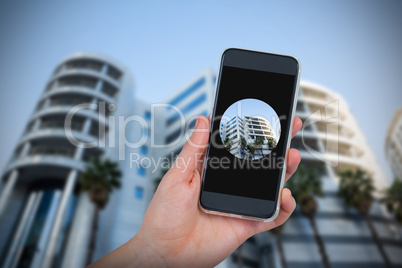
(292, 162)
(288, 205)
(193, 150)
(297, 124)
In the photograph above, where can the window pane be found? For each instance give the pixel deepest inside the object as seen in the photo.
(188, 91)
(138, 192)
(141, 171)
(144, 150)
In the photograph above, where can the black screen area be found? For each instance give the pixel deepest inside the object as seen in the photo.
(257, 178)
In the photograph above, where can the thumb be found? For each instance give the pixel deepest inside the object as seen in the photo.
(189, 157)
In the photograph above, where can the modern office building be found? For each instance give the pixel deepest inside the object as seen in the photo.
(249, 128)
(45, 222)
(125, 216)
(179, 115)
(393, 145)
(168, 125)
(330, 142)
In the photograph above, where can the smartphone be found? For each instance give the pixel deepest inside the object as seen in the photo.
(251, 127)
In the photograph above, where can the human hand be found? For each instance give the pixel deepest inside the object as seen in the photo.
(175, 232)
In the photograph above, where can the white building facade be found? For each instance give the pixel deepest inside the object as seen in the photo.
(330, 142)
(393, 145)
(248, 128)
(45, 221)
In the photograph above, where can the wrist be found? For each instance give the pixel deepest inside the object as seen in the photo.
(143, 254)
(134, 253)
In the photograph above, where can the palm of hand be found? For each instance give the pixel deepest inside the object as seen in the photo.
(186, 234)
(179, 233)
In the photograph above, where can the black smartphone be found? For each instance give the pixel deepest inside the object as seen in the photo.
(251, 127)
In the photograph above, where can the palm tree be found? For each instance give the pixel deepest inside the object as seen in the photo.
(251, 149)
(259, 143)
(356, 188)
(271, 143)
(277, 231)
(99, 179)
(393, 200)
(306, 184)
(228, 143)
(243, 144)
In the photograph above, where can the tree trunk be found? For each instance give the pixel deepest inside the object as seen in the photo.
(320, 243)
(377, 240)
(279, 244)
(94, 230)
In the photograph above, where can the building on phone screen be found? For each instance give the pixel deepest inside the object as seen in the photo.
(257, 131)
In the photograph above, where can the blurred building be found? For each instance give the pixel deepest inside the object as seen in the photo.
(168, 126)
(331, 141)
(393, 145)
(45, 222)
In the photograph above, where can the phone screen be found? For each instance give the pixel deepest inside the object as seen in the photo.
(250, 127)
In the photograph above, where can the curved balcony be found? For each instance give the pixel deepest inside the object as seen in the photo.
(316, 118)
(339, 162)
(316, 104)
(41, 161)
(85, 72)
(319, 91)
(88, 113)
(56, 133)
(315, 101)
(328, 136)
(77, 90)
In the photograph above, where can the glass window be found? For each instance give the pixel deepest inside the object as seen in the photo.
(141, 171)
(82, 81)
(114, 73)
(188, 91)
(139, 192)
(189, 107)
(147, 115)
(144, 150)
(172, 137)
(84, 64)
(108, 89)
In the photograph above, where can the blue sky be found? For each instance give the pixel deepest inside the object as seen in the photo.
(352, 47)
(253, 107)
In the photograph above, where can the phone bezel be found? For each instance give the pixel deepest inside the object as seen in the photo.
(238, 206)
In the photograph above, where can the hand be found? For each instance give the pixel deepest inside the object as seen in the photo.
(175, 232)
